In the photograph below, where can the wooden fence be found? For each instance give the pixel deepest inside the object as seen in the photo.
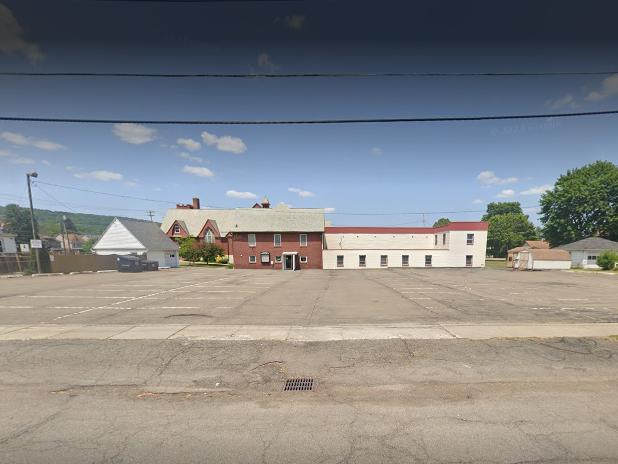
(11, 263)
(82, 262)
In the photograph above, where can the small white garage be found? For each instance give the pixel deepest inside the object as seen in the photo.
(537, 260)
(124, 237)
(584, 253)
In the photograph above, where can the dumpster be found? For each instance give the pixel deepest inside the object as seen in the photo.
(129, 264)
(149, 265)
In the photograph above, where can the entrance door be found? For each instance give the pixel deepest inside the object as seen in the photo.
(288, 263)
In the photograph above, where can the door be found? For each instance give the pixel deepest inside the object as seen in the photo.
(288, 263)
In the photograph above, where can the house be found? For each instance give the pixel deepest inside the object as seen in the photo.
(458, 244)
(537, 244)
(257, 237)
(535, 259)
(124, 236)
(7, 241)
(70, 242)
(584, 253)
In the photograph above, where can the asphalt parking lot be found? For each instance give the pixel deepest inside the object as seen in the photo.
(311, 298)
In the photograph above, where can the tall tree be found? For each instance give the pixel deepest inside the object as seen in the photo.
(508, 231)
(17, 221)
(70, 227)
(582, 204)
(502, 207)
(442, 222)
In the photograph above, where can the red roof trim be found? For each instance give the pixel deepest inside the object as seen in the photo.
(408, 230)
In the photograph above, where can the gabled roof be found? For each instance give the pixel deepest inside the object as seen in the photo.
(194, 219)
(540, 244)
(548, 255)
(281, 218)
(149, 234)
(592, 243)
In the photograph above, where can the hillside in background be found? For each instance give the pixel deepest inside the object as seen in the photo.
(49, 221)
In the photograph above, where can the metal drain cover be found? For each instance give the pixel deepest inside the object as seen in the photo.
(298, 384)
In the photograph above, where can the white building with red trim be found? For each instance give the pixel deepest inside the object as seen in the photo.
(458, 244)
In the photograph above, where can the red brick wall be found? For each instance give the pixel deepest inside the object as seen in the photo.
(265, 241)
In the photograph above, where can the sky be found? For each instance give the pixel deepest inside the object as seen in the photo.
(382, 174)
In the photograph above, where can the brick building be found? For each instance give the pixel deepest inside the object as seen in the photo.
(254, 238)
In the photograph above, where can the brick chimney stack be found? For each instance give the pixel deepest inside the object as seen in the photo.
(196, 203)
(265, 203)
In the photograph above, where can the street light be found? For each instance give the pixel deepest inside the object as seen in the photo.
(36, 250)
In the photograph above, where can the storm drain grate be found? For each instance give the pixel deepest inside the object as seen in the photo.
(298, 385)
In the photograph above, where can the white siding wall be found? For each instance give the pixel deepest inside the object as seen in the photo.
(8, 245)
(452, 254)
(118, 240)
(548, 264)
(577, 258)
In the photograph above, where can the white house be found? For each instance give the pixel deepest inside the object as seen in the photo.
(458, 244)
(584, 253)
(123, 237)
(7, 242)
(536, 260)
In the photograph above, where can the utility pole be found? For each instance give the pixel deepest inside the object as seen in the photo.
(423, 219)
(150, 213)
(67, 247)
(34, 236)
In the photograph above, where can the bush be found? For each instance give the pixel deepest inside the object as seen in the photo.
(607, 259)
(223, 260)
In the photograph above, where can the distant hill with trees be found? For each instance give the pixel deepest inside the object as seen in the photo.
(49, 221)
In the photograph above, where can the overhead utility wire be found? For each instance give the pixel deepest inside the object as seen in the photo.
(300, 121)
(279, 76)
(104, 193)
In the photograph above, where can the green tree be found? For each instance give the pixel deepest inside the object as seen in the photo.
(188, 249)
(88, 244)
(607, 260)
(210, 251)
(508, 231)
(70, 227)
(17, 221)
(582, 204)
(502, 207)
(441, 222)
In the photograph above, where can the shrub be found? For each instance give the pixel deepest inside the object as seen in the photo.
(222, 260)
(607, 259)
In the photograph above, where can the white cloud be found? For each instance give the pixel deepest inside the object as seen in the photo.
(265, 62)
(14, 159)
(295, 22)
(130, 184)
(104, 176)
(134, 133)
(225, 143)
(531, 210)
(46, 163)
(198, 171)
(292, 189)
(563, 101)
(305, 194)
(6, 154)
(478, 201)
(329, 210)
(609, 88)
(195, 159)
(537, 190)
(11, 39)
(235, 194)
(506, 194)
(189, 144)
(377, 151)
(20, 139)
(490, 178)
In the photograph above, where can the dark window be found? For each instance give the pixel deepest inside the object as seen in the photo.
(339, 260)
(176, 229)
(427, 260)
(405, 260)
(470, 239)
(468, 260)
(303, 259)
(362, 259)
(252, 259)
(383, 260)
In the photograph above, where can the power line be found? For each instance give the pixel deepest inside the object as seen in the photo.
(297, 75)
(307, 121)
(49, 195)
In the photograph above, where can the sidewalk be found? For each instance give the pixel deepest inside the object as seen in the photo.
(298, 333)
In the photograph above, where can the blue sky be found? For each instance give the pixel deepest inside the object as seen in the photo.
(366, 174)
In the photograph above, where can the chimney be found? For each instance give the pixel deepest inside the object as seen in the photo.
(265, 203)
(196, 203)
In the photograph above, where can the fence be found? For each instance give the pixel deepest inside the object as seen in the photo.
(82, 262)
(16, 262)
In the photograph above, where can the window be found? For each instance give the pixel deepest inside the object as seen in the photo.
(427, 260)
(435, 241)
(209, 236)
(252, 259)
(468, 260)
(303, 259)
(277, 259)
(265, 257)
(362, 260)
(303, 240)
(405, 260)
(470, 239)
(251, 240)
(176, 229)
(277, 239)
(1, 246)
(170, 255)
(339, 260)
(443, 239)
(383, 260)
(592, 258)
